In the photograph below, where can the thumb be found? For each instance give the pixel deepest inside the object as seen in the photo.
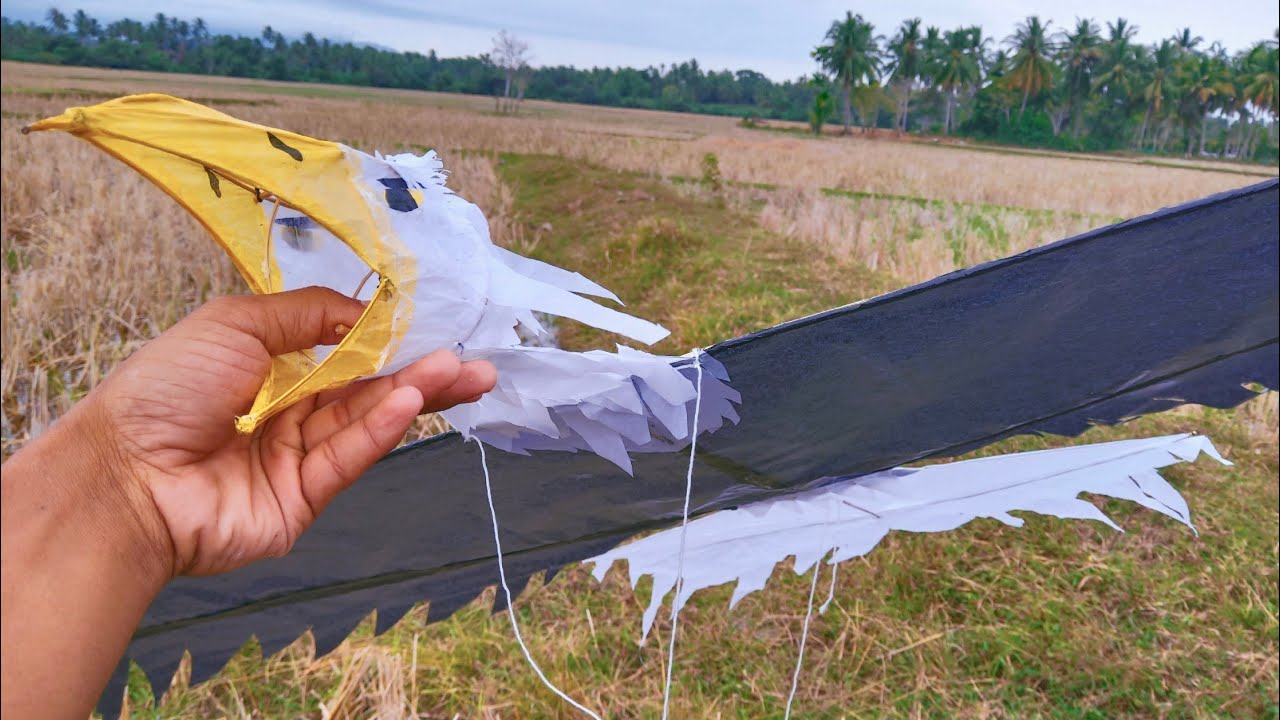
(288, 321)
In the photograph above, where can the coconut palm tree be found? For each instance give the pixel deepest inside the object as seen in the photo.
(1204, 84)
(1159, 87)
(852, 56)
(956, 68)
(1032, 71)
(996, 68)
(57, 21)
(978, 47)
(907, 61)
(1255, 75)
(1079, 51)
(933, 45)
(1120, 67)
(1260, 84)
(1185, 40)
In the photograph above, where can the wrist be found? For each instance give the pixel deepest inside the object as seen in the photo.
(75, 475)
(80, 564)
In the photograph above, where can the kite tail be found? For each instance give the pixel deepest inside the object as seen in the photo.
(850, 516)
(611, 404)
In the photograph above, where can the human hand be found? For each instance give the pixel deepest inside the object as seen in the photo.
(213, 499)
(147, 479)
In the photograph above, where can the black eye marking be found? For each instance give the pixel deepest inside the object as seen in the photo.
(213, 182)
(280, 145)
(398, 195)
(401, 200)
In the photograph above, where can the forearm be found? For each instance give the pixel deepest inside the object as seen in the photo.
(79, 568)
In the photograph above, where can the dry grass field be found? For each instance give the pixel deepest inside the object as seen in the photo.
(1055, 620)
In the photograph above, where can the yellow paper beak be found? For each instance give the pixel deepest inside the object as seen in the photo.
(221, 170)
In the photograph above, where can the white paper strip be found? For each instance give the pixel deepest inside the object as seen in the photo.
(848, 518)
(611, 404)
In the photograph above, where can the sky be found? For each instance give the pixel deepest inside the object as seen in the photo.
(771, 36)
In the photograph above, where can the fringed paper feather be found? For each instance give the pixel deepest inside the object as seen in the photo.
(848, 518)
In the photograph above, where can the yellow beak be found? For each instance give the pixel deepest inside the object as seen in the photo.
(221, 170)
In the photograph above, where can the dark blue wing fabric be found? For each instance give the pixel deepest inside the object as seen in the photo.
(1181, 306)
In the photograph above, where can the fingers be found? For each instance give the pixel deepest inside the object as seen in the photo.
(288, 321)
(437, 370)
(441, 379)
(336, 463)
(476, 378)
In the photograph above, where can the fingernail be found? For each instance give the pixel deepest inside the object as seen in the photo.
(341, 330)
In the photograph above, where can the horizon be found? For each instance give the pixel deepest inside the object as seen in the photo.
(581, 35)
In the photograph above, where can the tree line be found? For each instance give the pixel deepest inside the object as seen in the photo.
(1082, 87)
(170, 44)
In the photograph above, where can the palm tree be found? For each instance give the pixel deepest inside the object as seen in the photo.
(1032, 70)
(1236, 104)
(1004, 94)
(1185, 41)
(933, 45)
(1204, 84)
(1079, 52)
(956, 67)
(978, 46)
(85, 26)
(1256, 79)
(1261, 78)
(57, 21)
(1121, 62)
(852, 56)
(1159, 86)
(907, 63)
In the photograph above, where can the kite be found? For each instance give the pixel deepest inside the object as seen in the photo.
(293, 212)
(826, 413)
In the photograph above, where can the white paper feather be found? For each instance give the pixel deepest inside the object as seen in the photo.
(849, 517)
(611, 404)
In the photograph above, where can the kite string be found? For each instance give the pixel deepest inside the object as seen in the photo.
(684, 530)
(804, 637)
(831, 592)
(502, 577)
(808, 615)
(267, 252)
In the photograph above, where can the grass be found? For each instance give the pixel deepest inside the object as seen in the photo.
(797, 129)
(707, 271)
(663, 144)
(1056, 620)
(82, 95)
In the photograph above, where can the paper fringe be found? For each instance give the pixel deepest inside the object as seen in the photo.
(848, 518)
(611, 404)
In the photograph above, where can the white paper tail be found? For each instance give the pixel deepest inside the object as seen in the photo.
(848, 518)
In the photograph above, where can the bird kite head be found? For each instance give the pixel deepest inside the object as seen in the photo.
(263, 193)
(292, 211)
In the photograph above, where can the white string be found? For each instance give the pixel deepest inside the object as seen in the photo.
(804, 638)
(808, 615)
(502, 576)
(684, 529)
(831, 593)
